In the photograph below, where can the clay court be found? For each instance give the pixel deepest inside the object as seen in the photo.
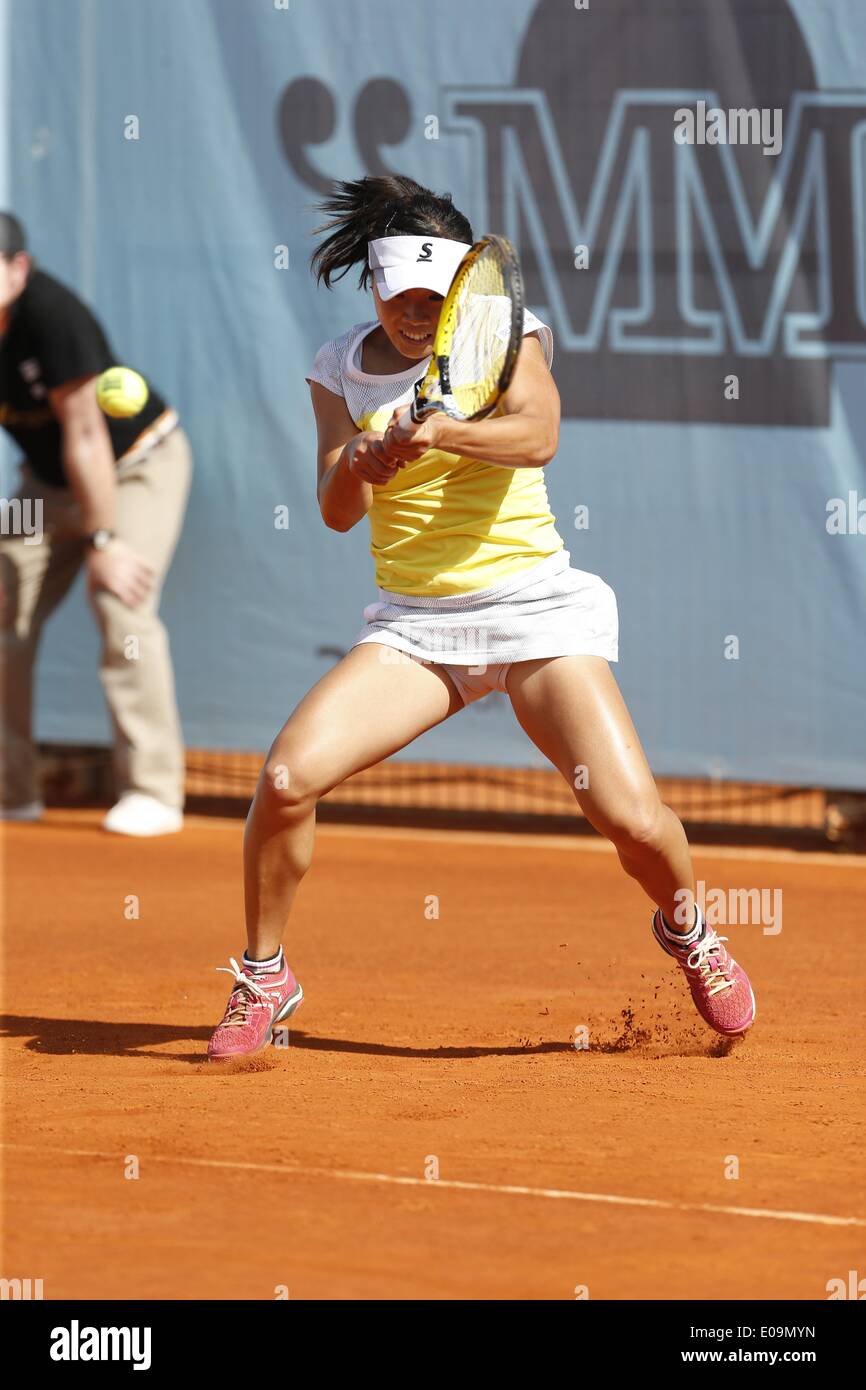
(423, 1040)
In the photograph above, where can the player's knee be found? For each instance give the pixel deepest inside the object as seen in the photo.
(288, 782)
(639, 830)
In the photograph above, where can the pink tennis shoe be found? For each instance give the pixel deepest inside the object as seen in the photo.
(720, 987)
(257, 1002)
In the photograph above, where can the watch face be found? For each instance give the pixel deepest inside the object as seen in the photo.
(100, 539)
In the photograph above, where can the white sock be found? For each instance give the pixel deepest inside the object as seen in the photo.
(266, 967)
(685, 938)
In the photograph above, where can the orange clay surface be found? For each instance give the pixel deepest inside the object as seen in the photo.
(424, 1039)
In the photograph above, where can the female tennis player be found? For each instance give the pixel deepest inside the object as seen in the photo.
(476, 592)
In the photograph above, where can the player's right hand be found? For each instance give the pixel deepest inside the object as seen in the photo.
(120, 571)
(368, 459)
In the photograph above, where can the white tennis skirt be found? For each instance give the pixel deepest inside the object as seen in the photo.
(548, 610)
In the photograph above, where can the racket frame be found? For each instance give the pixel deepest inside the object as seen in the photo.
(438, 373)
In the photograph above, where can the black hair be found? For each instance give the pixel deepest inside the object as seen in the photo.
(12, 235)
(361, 210)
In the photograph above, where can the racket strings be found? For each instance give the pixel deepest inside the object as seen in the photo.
(481, 336)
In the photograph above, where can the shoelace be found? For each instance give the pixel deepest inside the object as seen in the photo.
(246, 993)
(714, 977)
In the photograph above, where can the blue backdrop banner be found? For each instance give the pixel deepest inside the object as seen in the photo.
(704, 275)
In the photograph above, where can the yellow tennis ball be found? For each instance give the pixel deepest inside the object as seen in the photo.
(121, 392)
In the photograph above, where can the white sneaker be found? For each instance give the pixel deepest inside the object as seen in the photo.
(138, 814)
(32, 811)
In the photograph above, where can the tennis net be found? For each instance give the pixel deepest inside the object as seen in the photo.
(400, 792)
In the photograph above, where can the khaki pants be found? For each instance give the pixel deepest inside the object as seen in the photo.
(136, 674)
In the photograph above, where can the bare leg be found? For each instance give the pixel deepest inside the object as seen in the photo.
(572, 709)
(368, 707)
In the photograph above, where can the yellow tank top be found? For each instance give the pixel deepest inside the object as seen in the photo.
(445, 524)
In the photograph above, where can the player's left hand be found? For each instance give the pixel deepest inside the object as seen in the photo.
(409, 442)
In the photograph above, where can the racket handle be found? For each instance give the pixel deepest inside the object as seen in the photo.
(417, 411)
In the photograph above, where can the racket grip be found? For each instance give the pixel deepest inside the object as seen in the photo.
(407, 418)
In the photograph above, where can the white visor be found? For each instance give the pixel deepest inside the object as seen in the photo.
(403, 263)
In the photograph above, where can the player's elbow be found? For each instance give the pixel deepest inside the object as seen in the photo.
(545, 442)
(336, 520)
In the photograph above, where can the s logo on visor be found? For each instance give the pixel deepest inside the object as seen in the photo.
(426, 251)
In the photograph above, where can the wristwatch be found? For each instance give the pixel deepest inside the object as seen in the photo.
(100, 539)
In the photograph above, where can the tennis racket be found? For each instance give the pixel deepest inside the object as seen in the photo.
(478, 337)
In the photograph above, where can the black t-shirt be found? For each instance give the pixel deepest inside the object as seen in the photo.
(53, 338)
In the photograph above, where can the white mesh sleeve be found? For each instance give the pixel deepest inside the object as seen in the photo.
(326, 368)
(531, 324)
